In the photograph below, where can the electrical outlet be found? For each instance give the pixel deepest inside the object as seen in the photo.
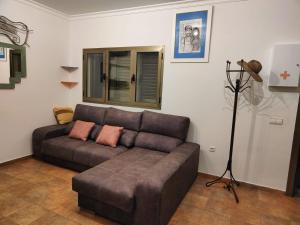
(212, 149)
(276, 121)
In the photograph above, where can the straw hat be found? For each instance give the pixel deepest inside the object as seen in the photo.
(253, 68)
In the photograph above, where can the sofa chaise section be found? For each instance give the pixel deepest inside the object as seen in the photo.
(140, 186)
(143, 186)
(114, 181)
(160, 190)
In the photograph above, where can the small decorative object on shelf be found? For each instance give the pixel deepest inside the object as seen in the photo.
(69, 84)
(241, 84)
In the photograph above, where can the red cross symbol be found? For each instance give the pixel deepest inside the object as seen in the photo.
(285, 75)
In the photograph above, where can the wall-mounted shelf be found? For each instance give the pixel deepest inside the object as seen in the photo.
(69, 84)
(70, 68)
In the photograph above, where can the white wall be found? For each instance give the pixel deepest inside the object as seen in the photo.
(30, 104)
(246, 29)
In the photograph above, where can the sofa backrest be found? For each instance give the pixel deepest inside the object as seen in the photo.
(89, 113)
(131, 122)
(156, 131)
(165, 124)
(122, 118)
(162, 132)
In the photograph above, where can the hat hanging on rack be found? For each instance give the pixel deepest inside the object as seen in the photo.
(253, 68)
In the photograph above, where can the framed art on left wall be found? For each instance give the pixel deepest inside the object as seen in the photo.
(2, 54)
(191, 35)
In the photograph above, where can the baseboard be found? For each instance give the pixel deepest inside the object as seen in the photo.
(15, 160)
(263, 188)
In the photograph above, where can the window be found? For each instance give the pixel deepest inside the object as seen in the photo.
(123, 76)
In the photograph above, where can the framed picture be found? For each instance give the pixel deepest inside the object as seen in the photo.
(2, 54)
(191, 35)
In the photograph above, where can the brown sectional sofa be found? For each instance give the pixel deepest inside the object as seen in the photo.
(143, 180)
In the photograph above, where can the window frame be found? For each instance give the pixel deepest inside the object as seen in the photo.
(123, 49)
(85, 71)
(133, 71)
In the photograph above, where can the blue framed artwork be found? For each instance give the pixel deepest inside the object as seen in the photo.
(191, 35)
(2, 54)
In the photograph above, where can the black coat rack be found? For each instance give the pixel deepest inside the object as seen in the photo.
(240, 86)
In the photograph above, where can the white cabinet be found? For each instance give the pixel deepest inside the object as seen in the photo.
(285, 69)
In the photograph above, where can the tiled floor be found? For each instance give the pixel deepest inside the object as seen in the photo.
(37, 193)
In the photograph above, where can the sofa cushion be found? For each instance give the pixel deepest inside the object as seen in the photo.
(156, 142)
(61, 147)
(92, 154)
(126, 119)
(63, 115)
(89, 113)
(109, 135)
(165, 124)
(114, 181)
(69, 127)
(127, 138)
(95, 132)
(81, 130)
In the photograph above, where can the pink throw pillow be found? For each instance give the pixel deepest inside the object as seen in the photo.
(81, 130)
(109, 135)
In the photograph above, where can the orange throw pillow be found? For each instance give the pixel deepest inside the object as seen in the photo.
(81, 130)
(109, 135)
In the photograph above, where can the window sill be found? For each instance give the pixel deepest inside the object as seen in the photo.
(133, 105)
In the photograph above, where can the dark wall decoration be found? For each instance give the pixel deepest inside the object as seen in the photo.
(16, 32)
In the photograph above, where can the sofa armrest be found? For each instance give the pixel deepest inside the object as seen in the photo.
(162, 188)
(44, 133)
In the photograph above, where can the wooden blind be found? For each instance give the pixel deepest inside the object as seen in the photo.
(147, 68)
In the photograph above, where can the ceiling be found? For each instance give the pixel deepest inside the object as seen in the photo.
(73, 7)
